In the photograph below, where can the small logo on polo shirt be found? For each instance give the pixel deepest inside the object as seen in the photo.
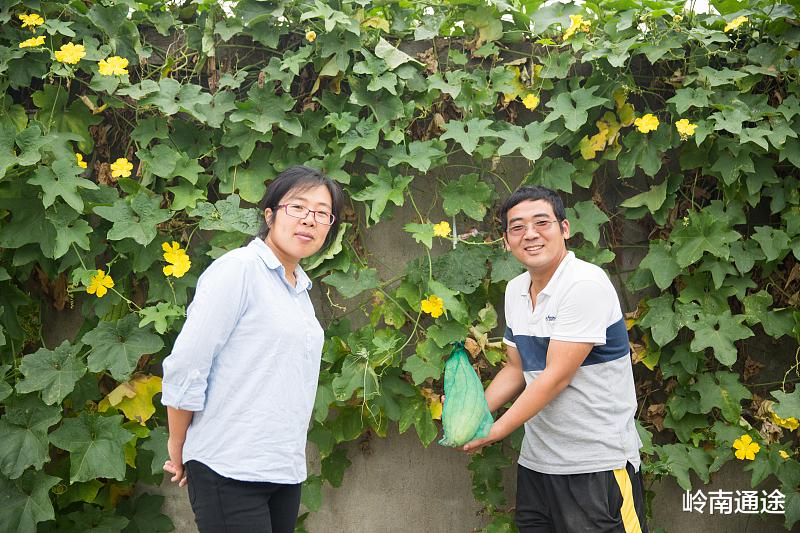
(549, 318)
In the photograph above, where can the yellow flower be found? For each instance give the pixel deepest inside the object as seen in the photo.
(577, 24)
(33, 41)
(783, 455)
(100, 283)
(790, 423)
(746, 448)
(677, 18)
(433, 305)
(531, 101)
(81, 162)
(647, 123)
(113, 66)
(176, 256)
(311, 36)
(442, 229)
(121, 168)
(31, 21)
(70, 53)
(685, 128)
(735, 23)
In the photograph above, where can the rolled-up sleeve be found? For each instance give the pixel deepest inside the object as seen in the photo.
(213, 314)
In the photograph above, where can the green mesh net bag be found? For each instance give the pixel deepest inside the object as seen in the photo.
(465, 415)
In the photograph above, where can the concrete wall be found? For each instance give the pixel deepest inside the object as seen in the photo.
(396, 486)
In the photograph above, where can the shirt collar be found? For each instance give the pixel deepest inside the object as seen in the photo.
(548, 289)
(273, 263)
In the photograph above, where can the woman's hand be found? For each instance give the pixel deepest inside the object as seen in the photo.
(174, 465)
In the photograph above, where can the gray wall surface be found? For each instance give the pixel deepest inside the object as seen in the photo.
(397, 486)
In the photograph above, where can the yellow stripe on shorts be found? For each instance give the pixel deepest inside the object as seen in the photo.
(629, 517)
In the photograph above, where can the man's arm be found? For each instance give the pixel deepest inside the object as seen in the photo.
(508, 383)
(563, 360)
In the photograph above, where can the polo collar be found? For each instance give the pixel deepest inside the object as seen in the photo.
(273, 263)
(548, 289)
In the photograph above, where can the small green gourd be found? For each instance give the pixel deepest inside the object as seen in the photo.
(465, 414)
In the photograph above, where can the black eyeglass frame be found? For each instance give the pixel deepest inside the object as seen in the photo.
(331, 218)
(538, 225)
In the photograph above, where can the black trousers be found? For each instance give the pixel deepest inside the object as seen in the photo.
(598, 502)
(224, 505)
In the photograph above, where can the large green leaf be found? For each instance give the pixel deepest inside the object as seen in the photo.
(719, 332)
(530, 140)
(586, 218)
(26, 502)
(54, 372)
(722, 391)
(95, 444)
(758, 309)
(662, 320)
(226, 215)
(788, 405)
(573, 107)
(385, 187)
(421, 155)
(157, 443)
(145, 515)
(462, 269)
(415, 412)
(653, 198)
(62, 180)
(681, 458)
(24, 428)
(118, 346)
(71, 230)
(28, 225)
(699, 233)
(8, 156)
(263, 109)
(350, 285)
(467, 195)
(357, 375)
(661, 262)
(686, 98)
(426, 363)
(137, 220)
(468, 133)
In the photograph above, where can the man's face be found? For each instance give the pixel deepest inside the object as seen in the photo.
(535, 237)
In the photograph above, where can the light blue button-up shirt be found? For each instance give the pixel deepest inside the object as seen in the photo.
(247, 362)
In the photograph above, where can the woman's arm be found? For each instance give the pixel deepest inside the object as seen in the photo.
(178, 421)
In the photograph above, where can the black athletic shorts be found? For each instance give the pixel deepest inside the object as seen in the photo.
(598, 502)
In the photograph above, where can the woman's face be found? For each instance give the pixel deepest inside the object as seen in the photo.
(292, 238)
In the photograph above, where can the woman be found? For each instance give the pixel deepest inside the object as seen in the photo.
(240, 382)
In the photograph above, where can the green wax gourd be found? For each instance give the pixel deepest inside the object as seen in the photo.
(465, 415)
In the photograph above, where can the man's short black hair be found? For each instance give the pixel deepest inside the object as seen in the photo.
(300, 178)
(535, 192)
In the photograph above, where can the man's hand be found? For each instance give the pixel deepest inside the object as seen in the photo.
(477, 445)
(174, 465)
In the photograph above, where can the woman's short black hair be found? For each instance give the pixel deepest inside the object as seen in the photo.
(301, 178)
(534, 193)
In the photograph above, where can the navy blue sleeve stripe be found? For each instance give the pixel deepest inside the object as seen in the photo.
(616, 346)
(533, 350)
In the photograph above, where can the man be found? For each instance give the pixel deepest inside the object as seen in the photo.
(569, 369)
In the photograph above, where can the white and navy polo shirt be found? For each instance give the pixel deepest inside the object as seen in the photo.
(590, 425)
